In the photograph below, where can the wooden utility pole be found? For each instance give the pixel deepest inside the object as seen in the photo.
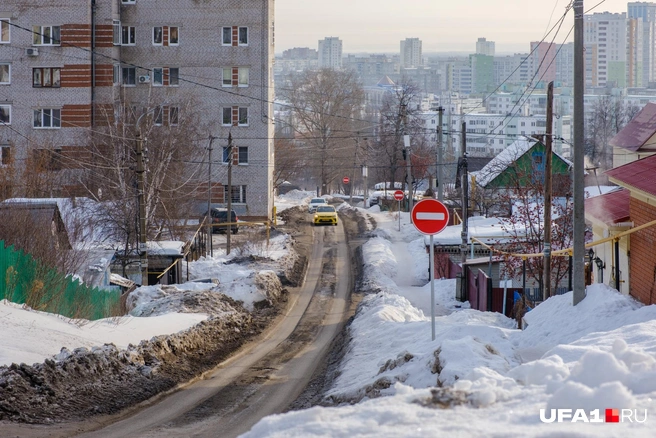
(579, 170)
(546, 293)
(408, 156)
(141, 197)
(229, 213)
(208, 218)
(355, 162)
(464, 186)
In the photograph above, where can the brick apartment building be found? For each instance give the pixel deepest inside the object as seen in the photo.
(66, 66)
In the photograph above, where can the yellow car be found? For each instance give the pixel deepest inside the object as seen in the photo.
(325, 214)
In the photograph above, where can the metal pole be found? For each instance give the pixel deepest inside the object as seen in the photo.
(465, 188)
(355, 160)
(546, 293)
(143, 249)
(209, 197)
(399, 215)
(229, 214)
(408, 158)
(617, 264)
(440, 176)
(578, 186)
(432, 282)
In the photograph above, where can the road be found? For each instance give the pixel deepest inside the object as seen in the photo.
(265, 376)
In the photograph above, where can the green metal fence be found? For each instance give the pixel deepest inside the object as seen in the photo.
(25, 280)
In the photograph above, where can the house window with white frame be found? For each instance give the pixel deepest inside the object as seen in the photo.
(47, 118)
(238, 194)
(243, 76)
(5, 73)
(242, 155)
(227, 77)
(5, 114)
(226, 36)
(5, 31)
(158, 77)
(174, 36)
(243, 36)
(128, 36)
(174, 76)
(116, 32)
(129, 76)
(46, 35)
(226, 116)
(158, 35)
(158, 116)
(243, 116)
(174, 116)
(46, 77)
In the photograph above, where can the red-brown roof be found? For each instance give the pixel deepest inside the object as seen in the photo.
(610, 208)
(634, 135)
(640, 174)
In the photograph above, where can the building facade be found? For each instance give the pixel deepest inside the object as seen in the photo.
(330, 53)
(411, 53)
(66, 69)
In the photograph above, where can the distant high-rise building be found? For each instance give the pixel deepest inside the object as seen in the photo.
(484, 47)
(411, 53)
(642, 41)
(543, 61)
(605, 40)
(330, 53)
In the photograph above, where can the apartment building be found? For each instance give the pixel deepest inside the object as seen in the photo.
(605, 39)
(67, 67)
(411, 53)
(330, 53)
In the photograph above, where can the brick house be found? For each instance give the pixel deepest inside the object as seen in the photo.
(639, 178)
(66, 66)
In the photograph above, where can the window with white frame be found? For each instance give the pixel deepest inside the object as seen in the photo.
(47, 118)
(243, 36)
(227, 77)
(226, 116)
(46, 77)
(128, 36)
(116, 74)
(242, 155)
(238, 193)
(174, 76)
(243, 116)
(5, 114)
(5, 31)
(226, 154)
(226, 36)
(158, 35)
(158, 77)
(129, 76)
(5, 73)
(174, 116)
(174, 36)
(243, 76)
(129, 2)
(158, 116)
(46, 35)
(116, 32)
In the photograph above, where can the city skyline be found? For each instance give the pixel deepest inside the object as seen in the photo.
(368, 26)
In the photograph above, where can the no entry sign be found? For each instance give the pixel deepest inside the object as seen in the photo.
(430, 216)
(346, 180)
(398, 195)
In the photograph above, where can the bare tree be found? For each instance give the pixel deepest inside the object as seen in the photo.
(289, 160)
(326, 114)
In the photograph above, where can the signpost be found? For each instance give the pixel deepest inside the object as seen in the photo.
(430, 217)
(399, 195)
(346, 180)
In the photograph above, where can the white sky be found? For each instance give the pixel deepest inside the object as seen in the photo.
(600, 354)
(379, 25)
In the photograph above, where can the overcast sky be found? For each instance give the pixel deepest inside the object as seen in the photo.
(379, 25)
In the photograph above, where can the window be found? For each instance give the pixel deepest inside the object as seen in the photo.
(227, 76)
(5, 114)
(242, 155)
(226, 155)
(243, 117)
(174, 112)
(129, 76)
(243, 76)
(238, 194)
(46, 35)
(129, 2)
(158, 77)
(47, 118)
(158, 116)
(174, 76)
(6, 155)
(226, 119)
(174, 36)
(157, 36)
(128, 36)
(5, 35)
(116, 74)
(116, 32)
(46, 77)
(5, 73)
(226, 36)
(243, 36)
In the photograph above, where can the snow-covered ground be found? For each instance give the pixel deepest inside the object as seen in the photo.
(479, 377)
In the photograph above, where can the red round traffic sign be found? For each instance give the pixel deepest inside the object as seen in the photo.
(398, 195)
(430, 216)
(346, 180)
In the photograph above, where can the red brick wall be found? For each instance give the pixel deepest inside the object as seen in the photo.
(643, 258)
(76, 75)
(76, 116)
(76, 35)
(104, 35)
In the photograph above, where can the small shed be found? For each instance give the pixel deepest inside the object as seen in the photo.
(164, 261)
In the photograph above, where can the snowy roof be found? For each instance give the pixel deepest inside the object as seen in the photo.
(609, 208)
(487, 230)
(634, 135)
(165, 248)
(385, 82)
(508, 156)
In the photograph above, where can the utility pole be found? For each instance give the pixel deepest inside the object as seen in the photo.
(355, 161)
(143, 250)
(208, 218)
(578, 189)
(408, 157)
(546, 293)
(464, 186)
(439, 174)
(229, 214)
(365, 172)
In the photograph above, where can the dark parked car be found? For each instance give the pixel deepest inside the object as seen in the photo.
(220, 216)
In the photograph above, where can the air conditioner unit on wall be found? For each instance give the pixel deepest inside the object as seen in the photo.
(31, 52)
(145, 79)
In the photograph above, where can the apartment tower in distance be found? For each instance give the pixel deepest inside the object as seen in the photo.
(484, 47)
(70, 71)
(411, 53)
(330, 53)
